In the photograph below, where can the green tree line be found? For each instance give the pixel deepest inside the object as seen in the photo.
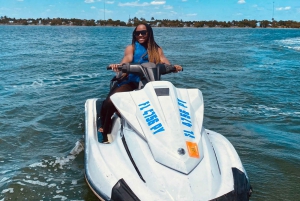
(153, 22)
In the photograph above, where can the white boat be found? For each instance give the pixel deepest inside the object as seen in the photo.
(159, 149)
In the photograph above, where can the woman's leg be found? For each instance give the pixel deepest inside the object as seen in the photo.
(108, 108)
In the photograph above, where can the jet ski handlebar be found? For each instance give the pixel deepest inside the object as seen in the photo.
(136, 68)
(149, 71)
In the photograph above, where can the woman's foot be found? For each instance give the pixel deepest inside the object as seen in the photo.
(100, 134)
(101, 137)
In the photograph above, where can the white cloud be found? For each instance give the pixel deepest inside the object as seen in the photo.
(93, 7)
(168, 7)
(138, 4)
(134, 4)
(184, 0)
(241, 1)
(258, 8)
(3, 8)
(284, 8)
(159, 13)
(89, 1)
(158, 2)
(192, 14)
(105, 10)
(140, 12)
(109, 2)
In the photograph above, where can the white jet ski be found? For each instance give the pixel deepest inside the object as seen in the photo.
(159, 149)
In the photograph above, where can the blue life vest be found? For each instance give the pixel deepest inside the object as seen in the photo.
(140, 56)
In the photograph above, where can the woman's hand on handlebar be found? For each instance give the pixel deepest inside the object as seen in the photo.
(114, 67)
(178, 68)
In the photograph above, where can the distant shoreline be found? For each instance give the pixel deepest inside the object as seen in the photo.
(133, 22)
(232, 27)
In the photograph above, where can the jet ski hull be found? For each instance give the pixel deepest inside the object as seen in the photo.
(126, 170)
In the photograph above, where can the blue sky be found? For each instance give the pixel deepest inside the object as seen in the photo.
(194, 10)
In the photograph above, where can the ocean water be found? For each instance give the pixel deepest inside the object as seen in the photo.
(250, 80)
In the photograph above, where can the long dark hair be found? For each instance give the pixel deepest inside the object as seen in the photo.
(152, 46)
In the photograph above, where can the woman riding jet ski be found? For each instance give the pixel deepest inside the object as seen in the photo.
(142, 49)
(159, 149)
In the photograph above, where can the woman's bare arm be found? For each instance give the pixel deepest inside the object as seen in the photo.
(163, 59)
(128, 57)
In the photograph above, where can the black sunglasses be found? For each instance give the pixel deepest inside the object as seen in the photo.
(143, 33)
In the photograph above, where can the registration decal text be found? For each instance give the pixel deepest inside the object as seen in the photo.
(185, 119)
(151, 118)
